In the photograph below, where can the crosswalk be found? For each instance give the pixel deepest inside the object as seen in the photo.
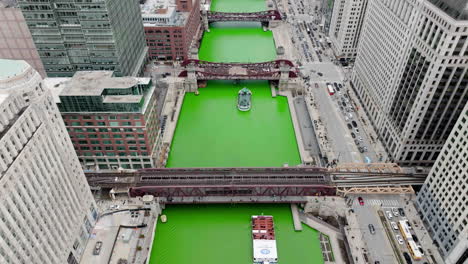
(378, 202)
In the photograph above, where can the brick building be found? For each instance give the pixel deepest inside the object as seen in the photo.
(170, 27)
(112, 121)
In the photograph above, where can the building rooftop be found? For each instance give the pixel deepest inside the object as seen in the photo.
(89, 83)
(101, 84)
(162, 13)
(11, 68)
(457, 9)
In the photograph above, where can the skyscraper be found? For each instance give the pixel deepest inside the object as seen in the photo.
(345, 27)
(16, 42)
(80, 35)
(411, 74)
(46, 208)
(443, 199)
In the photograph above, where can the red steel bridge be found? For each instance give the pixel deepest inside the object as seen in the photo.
(264, 16)
(291, 181)
(270, 70)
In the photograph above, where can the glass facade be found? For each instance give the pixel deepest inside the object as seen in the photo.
(88, 103)
(80, 35)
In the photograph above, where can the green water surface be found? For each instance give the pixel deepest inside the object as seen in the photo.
(214, 234)
(238, 5)
(212, 132)
(230, 44)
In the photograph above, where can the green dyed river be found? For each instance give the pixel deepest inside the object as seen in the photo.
(213, 234)
(212, 132)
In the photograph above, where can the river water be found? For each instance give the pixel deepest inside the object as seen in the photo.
(211, 132)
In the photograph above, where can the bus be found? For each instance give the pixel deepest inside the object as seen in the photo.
(404, 229)
(414, 250)
(412, 246)
(330, 89)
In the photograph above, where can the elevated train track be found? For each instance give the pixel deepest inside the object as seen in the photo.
(294, 181)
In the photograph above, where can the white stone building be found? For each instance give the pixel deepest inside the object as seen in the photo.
(411, 74)
(345, 27)
(443, 199)
(46, 208)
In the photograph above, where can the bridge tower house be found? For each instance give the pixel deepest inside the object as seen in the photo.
(284, 76)
(205, 22)
(190, 83)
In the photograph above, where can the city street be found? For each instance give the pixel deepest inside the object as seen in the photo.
(346, 133)
(338, 134)
(378, 245)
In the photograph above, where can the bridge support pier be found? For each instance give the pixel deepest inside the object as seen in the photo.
(190, 83)
(205, 21)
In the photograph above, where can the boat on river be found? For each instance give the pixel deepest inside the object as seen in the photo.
(244, 99)
(264, 242)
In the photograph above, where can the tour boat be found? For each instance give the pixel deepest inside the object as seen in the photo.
(244, 99)
(264, 242)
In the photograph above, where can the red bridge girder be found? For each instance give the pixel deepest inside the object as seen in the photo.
(269, 64)
(263, 16)
(269, 70)
(233, 190)
(226, 76)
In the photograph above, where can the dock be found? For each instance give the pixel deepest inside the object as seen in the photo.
(296, 220)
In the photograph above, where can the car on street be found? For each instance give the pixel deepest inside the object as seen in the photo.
(361, 149)
(399, 239)
(360, 139)
(421, 250)
(356, 130)
(395, 212)
(357, 142)
(353, 135)
(339, 85)
(371, 229)
(350, 115)
(349, 126)
(401, 211)
(97, 248)
(360, 200)
(394, 225)
(354, 123)
(415, 238)
(319, 74)
(389, 214)
(407, 258)
(365, 148)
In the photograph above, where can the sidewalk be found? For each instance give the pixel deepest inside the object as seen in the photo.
(320, 128)
(355, 239)
(423, 236)
(305, 155)
(331, 233)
